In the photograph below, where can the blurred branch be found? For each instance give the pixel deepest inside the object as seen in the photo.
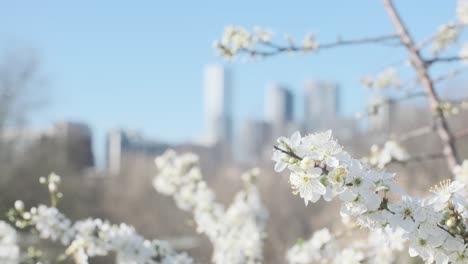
(421, 66)
(278, 49)
(445, 59)
(450, 74)
(19, 75)
(374, 108)
(434, 36)
(415, 133)
(419, 158)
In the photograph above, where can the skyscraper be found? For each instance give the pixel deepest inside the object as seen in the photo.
(279, 108)
(320, 105)
(122, 144)
(254, 141)
(278, 104)
(380, 115)
(218, 119)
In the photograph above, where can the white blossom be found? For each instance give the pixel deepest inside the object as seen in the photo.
(447, 35)
(237, 232)
(391, 151)
(462, 11)
(9, 250)
(434, 226)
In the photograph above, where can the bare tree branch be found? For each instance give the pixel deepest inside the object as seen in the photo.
(434, 36)
(445, 59)
(415, 133)
(374, 108)
(276, 49)
(450, 74)
(421, 67)
(419, 158)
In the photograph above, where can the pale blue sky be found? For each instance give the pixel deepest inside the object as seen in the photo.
(139, 64)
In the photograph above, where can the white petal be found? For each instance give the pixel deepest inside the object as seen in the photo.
(280, 166)
(296, 138)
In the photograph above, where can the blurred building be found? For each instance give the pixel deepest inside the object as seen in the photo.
(255, 138)
(68, 143)
(122, 144)
(320, 105)
(76, 140)
(218, 116)
(380, 113)
(279, 108)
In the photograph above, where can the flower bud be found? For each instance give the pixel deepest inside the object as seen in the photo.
(27, 215)
(19, 205)
(451, 222)
(52, 187)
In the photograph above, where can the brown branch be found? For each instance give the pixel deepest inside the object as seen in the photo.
(434, 36)
(421, 68)
(445, 59)
(419, 158)
(450, 74)
(277, 49)
(289, 153)
(415, 133)
(374, 108)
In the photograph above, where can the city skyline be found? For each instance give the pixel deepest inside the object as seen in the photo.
(151, 79)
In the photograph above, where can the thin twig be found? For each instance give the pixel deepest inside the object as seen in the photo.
(450, 74)
(445, 59)
(419, 158)
(415, 133)
(277, 49)
(421, 68)
(290, 153)
(434, 36)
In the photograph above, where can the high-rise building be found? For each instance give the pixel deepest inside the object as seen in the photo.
(76, 140)
(70, 142)
(279, 107)
(320, 105)
(380, 114)
(218, 118)
(123, 144)
(254, 137)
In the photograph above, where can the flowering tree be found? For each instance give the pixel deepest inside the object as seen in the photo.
(82, 239)
(433, 228)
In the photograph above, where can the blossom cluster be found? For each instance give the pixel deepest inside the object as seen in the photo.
(462, 11)
(96, 237)
(237, 39)
(435, 226)
(388, 78)
(87, 238)
(447, 35)
(453, 108)
(237, 232)
(325, 247)
(381, 157)
(9, 250)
